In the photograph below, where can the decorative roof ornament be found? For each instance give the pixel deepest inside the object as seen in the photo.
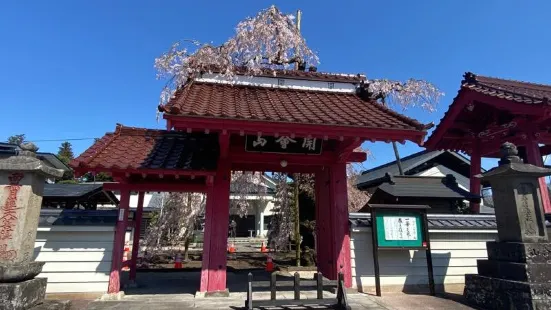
(509, 154)
(469, 78)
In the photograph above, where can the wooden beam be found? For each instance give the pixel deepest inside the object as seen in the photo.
(346, 148)
(224, 142)
(274, 167)
(289, 129)
(324, 248)
(545, 150)
(125, 173)
(339, 222)
(459, 103)
(475, 169)
(136, 237)
(238, 156)
(169, 186)
(533, 157)
(118, 243)
(511, 106)
(213, 270)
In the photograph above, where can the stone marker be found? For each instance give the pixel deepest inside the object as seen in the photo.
(517, 273)
(22, 179)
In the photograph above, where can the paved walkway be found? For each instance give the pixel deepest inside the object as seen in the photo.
(176, 290)
(235, 301)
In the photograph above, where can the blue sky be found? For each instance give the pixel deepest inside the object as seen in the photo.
(73, 69)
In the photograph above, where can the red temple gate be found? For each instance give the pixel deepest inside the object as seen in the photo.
(488, 112)
(301, 122)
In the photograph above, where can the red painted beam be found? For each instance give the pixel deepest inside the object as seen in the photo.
(545, 150)
(224, 142)
(303, 130)
(155, 172)
(118, 243)
(511, 106)
(533, 157)
(238, 155)
(324, 246)
(169, 186)
(213, 271)
(136, 238)
(339, 223)
(475, 169)
(274, 167)
(446, 123)
(346, 148)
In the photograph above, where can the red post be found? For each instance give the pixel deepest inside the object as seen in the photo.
(136, 238)
(213, 271)
(118, 243)
(323, 226)
(476, 162)
(339, 222)
(533, 156)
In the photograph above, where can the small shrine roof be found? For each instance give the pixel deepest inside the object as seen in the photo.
(488, 108)
(146, 150)
(285, 105)
(522, 92)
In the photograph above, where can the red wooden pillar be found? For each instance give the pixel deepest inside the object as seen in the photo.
(118, 244)
(533, 156)
(339, 222)
(476, 162)
(213, 271)
(323, 226)
(136, 237)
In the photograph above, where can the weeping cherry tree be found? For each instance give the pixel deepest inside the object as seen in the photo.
(271, 42)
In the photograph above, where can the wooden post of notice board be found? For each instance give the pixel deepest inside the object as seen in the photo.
(400, 227)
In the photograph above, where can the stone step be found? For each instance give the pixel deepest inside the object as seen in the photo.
(494, 293)
(518, 252)
(537, 273)
(53, 305)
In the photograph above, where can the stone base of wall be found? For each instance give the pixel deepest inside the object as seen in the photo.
(22, 295)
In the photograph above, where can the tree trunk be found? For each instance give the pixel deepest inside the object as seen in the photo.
(186, 248)
(189, 234)
(297, 223)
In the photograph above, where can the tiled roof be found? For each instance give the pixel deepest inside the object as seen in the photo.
(426, 187)
(439, 221)
(137, 148)
(514, 91)
(61, 217)
(70, 190)
(275, 104)
(522, 92)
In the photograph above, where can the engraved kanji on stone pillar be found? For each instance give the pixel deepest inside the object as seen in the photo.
(517, 273)
(22, 179)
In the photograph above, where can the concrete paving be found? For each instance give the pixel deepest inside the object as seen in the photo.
(176, 290)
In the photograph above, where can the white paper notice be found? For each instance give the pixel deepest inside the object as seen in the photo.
(400, 228)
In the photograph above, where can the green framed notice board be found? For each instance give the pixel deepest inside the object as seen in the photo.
(400, 229)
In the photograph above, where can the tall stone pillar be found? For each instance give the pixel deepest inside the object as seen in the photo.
(22, 179)
(517, 273)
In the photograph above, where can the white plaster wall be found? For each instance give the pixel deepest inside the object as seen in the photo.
(454, 254)
(78, 258)
(275, 82)
(441, 171)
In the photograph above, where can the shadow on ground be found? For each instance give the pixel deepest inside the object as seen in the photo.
(187, 282)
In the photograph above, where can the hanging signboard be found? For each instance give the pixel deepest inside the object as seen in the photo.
(396, 227)
(283, 145)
